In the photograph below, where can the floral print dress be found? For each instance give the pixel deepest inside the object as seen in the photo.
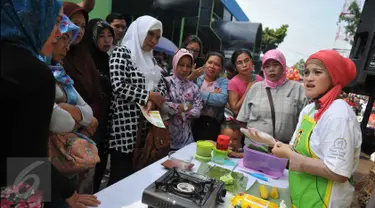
(180, 92)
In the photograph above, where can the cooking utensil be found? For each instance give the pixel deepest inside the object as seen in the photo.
(233, 168)
(259, 176)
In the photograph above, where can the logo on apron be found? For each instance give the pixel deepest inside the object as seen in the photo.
(298, 138)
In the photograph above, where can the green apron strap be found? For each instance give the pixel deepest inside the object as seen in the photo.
(306, 190)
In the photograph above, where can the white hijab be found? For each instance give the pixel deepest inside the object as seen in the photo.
(144, 61)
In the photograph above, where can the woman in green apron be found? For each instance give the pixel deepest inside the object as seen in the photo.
(325, 148)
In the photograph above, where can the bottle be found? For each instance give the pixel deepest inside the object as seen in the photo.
(222, 142)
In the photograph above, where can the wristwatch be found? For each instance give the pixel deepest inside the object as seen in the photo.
(185, 107)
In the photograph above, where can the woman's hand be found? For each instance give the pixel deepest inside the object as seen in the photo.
(181, 107)
(156, 98)
(190, 106)
(73, 110)
(235, 154)
(150, 106)
(282, 150)
(217, 91)
(91, 128)
(195, 73)
(82, 201)
(66, 106)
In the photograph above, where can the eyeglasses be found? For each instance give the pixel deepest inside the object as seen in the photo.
(193, 51)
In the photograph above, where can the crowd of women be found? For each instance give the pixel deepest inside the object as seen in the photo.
(64, 74)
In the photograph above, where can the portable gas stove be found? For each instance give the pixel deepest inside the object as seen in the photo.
(182, 189)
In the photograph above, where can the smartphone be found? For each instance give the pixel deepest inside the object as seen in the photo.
(199, 62)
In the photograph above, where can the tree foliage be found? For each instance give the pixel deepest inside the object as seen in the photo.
(300, 66)
(351, 19)
(273, 37)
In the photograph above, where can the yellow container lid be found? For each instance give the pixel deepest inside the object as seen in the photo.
(205, 144)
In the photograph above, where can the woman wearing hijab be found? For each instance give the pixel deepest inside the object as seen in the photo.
(99, 37)
(79, 64)
(28, 30)
(71, 113)
(69, 107)
(287, 96)
(183, 101)
(325, 148)
(136, 80)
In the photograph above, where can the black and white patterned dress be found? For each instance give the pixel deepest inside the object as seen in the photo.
(128, 85)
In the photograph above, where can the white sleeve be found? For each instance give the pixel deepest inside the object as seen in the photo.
(339, 145)
(61, 120)
(86, 111)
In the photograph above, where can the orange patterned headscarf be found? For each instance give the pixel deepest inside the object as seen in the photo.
(342, 71)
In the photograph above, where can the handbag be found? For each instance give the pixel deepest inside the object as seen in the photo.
(72, 152)
(155, 146)
(21, 195)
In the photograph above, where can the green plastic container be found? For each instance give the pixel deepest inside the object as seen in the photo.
(204, 148)
(203, 159)
(219, 156)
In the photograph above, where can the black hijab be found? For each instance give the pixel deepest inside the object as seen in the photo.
(101, 59)
(80, 66)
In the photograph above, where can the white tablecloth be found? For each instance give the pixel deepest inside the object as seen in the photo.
(128, 192)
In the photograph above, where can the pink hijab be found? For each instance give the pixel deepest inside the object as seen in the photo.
(279, 57)
(176, 58)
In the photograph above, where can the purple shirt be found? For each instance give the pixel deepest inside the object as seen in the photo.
(179, 126)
